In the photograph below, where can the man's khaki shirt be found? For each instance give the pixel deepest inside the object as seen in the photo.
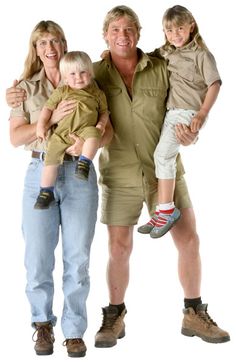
(137, 122)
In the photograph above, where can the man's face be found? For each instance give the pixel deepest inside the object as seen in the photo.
(122, 37)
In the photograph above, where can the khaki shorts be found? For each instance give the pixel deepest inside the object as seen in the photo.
(123, 206)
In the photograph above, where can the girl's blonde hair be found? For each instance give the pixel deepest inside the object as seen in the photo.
(116, 13)
(177, 16)
(33, 63)
(76, 60)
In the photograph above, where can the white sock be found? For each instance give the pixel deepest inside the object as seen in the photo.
(166, 206)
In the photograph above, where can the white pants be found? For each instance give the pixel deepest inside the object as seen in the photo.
(168, 147)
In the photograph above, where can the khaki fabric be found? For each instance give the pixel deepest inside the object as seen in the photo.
(128, 160)
(91, 102)
(38, 89)
(137, 123)
(192, 70)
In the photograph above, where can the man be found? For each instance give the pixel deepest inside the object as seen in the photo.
(136, 87)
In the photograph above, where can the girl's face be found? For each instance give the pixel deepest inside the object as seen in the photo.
(50, 50)
(178, 36)
(77, 79)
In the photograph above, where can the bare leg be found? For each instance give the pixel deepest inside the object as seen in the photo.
(166, 190)
(189, 262)
(49, 175)
(90, 147)
(120, 248)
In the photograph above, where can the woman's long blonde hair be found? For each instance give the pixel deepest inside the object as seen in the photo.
(179, 15)
(33, 63)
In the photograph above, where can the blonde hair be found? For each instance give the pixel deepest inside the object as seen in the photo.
(76, 60)
(116, 13)
(33, 63)
(179, 15)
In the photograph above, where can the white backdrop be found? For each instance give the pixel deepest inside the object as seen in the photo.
(154, 298)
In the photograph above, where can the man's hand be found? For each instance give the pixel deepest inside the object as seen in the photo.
(76, 148)
(15, 95)
(184, 135)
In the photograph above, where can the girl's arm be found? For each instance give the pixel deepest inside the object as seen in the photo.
(210, 98)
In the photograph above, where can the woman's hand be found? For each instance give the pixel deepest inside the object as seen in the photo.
(184, 135)
(15, 95)
(63, 108)
(76, 148)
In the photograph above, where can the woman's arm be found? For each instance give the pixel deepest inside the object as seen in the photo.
(21, 132)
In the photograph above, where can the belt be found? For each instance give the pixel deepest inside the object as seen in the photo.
(41, 155)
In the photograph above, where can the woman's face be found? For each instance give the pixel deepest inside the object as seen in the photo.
(50, 49)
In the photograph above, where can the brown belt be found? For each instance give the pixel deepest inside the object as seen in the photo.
(41, 155)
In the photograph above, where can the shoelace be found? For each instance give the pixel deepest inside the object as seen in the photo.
(204, 315)
(108, 320)
(44, 334)
(72, 341)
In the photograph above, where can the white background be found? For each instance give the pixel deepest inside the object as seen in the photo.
(154, 298)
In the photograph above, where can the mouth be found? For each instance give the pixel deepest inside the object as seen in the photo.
(51, 56)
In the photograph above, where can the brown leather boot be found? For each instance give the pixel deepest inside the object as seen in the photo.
(113, 328)
(45, 338)
(200, 324)
(75, 347)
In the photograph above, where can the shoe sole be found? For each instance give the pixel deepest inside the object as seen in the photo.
(145, 231)
(77, 355)
(44, 352)
(164, 231)
(108, 344)
(191, 333)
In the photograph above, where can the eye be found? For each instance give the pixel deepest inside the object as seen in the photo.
(55, 41)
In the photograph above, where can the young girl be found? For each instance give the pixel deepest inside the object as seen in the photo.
(77, 74)
(194, 87)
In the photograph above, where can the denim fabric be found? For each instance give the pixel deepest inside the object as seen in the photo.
(73, 217)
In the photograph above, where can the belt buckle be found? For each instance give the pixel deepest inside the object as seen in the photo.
(41, 156)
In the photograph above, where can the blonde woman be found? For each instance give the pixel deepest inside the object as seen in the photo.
(74, 212)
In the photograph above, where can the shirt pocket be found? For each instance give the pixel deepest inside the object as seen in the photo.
(153, 101)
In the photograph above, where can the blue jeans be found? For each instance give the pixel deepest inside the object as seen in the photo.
(74, 214)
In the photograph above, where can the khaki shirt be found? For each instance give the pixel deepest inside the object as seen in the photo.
(192, 70)
(137, 122)
(38, 89)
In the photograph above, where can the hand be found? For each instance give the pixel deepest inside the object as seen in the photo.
(76, 148)
(197, 122)
(41, 133)
(15, 95)
(184, 135)
(63, 108)
(101, 127)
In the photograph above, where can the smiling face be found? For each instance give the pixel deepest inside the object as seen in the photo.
(50, 49)
(178, 35)
(122, 37)
(77, 79)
